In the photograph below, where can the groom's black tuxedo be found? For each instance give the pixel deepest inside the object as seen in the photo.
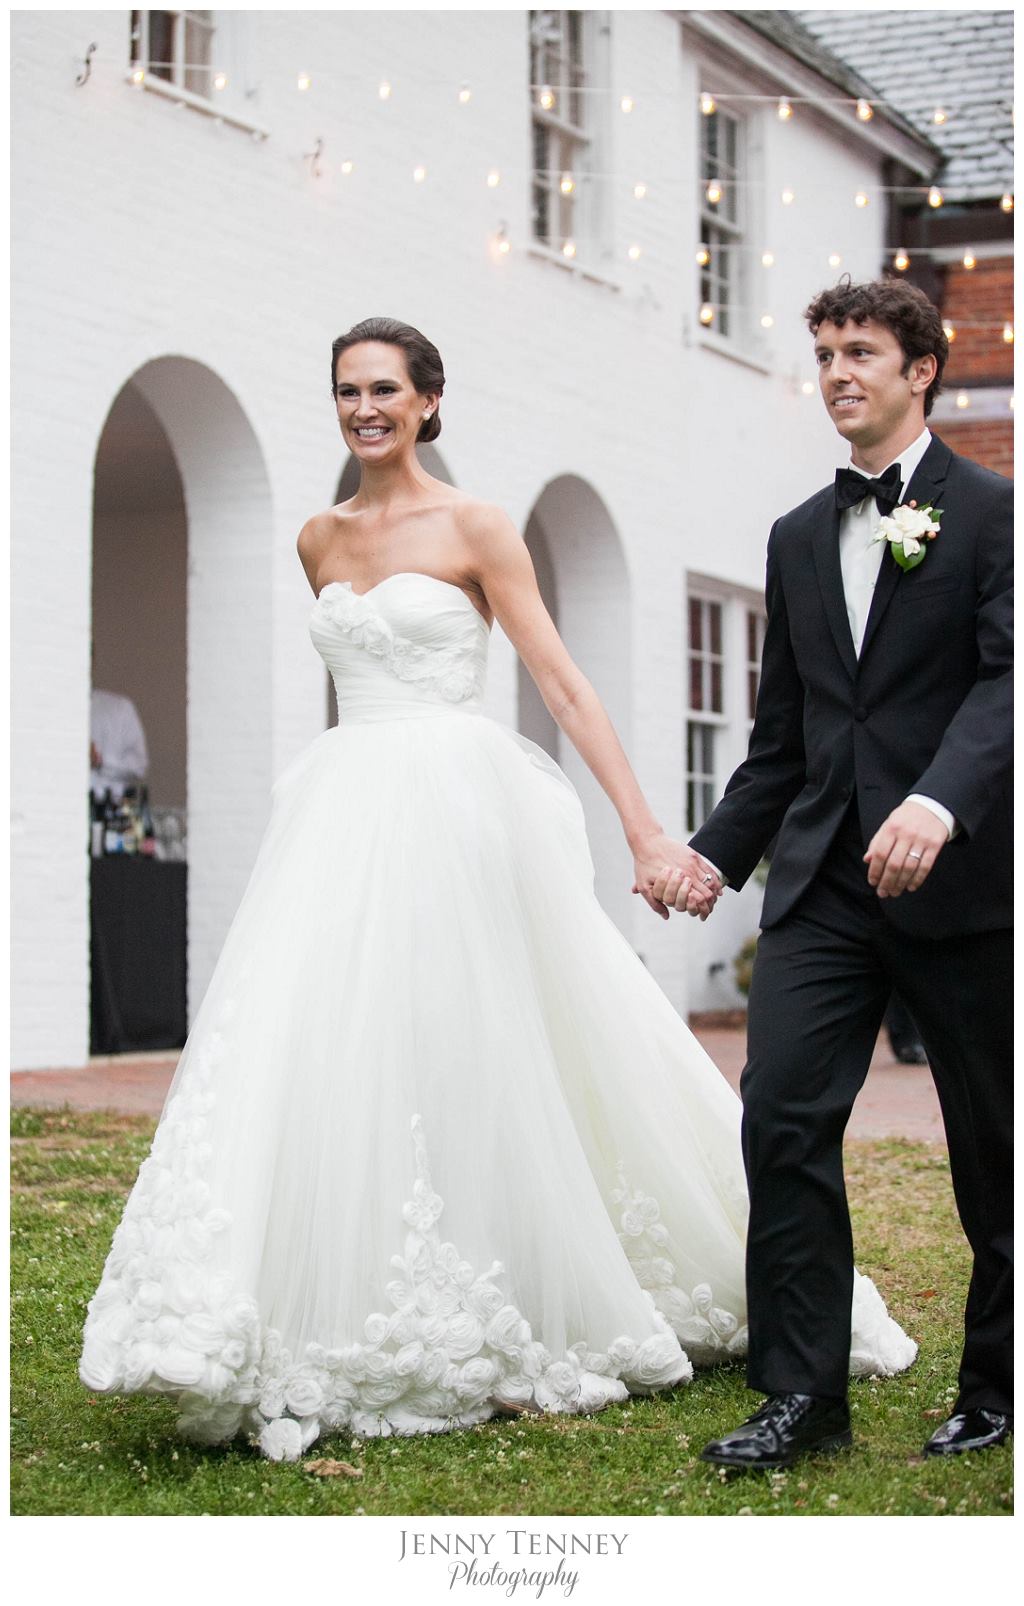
(926, 708)
(838, 742)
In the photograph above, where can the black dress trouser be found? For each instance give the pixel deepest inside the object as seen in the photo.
(821, 982)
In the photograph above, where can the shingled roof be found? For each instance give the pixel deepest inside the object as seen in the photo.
(960, 60)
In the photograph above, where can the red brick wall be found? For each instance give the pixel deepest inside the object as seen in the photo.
(989, 441)
(979, 295)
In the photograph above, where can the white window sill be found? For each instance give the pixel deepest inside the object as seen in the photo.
(582, 270)
(727, 348)
(208, 108)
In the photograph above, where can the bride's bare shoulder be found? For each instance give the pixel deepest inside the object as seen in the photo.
(485, 522)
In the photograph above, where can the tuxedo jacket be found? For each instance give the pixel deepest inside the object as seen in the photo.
(926, 707)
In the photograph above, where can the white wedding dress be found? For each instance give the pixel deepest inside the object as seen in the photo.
(437, 1144)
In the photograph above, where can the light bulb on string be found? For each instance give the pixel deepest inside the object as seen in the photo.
(639, 191)
(546, 98)
(901, 261)
(935, 196)
(767, 320)
(384, 90)
(969, 260)
(1008, 333)
(347, 166)
(465, 95)
(703, 257)
(493, 179)
(1006, 203)
(861, 198)
(865, 110)
(788, 197)
(419, 174)
(502, 243)
(634, 253)
(139, 78)
(220, 80)
(808, 387)
(569, 249)
(949, 330)
(707, 314)
(303, 82)
(767, 259)
(627, 103)
(714, 192)
(939, 116)
(784, 110)
(835, 260)
(567, 184)
(707, 104)
(962, 399)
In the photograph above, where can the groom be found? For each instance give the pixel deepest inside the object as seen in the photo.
(880, 754)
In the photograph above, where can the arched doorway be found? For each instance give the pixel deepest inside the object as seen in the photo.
(582, 574)
(348, 483)
(182, 619)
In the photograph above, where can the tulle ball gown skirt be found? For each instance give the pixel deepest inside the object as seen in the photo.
(437, 1146)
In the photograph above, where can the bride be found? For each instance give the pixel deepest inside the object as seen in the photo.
(437, 1145)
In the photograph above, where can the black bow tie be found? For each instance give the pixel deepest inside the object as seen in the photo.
(852, 488)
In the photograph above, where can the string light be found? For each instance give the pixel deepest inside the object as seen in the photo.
(1006, 203)
(139, 77)
(835, 260)
(788, 197)
(703, 257)
(567, 184)
(493, 179)
(303, 82)
(865, 111)
(707, 314)
(766, 320)
(639, 191)
(861, 198)
(634, 253)
(949, 330)
(938, 116)
(502, 242)
(465, 95)
(346, 167)
(714, 192)
(901, 261)
(707, 104)
(627, 103)
(546, 97)
(384, 90)
(970, 260)
(962, 399)
(808, 387)
(1008, 333)
(935, 196)
(569, 249)
(784, 110)
(220, 80)
(419, 174)
(767, 259)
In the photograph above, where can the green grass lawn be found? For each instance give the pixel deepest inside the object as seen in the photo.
(77, 1453)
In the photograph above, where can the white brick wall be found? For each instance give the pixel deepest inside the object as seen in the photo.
(147, 235)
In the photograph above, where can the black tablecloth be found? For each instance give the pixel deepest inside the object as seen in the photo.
(137, 925)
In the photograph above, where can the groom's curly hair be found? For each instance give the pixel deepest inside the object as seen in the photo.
(900, 307)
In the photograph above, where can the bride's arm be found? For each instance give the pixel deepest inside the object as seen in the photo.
(502, 567)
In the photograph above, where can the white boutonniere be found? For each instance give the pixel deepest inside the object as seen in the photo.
(907, 529)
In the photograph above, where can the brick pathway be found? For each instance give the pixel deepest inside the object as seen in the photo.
(895, 1101)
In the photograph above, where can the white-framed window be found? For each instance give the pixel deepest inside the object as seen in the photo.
(176, 46)
(564, 120)
(722, 220)
(725, 635)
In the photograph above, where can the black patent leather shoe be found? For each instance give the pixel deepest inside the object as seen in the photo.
(969, 1430)
(786, 1427)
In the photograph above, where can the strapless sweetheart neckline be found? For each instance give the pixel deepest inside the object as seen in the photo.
(403, 574)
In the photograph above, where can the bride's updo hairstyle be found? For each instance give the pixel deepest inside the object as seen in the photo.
(421, 358)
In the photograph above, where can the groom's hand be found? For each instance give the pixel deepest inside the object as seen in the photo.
(671, 876)
(903, 850)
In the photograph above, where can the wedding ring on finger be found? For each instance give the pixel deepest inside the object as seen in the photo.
(914, 855)
(707, 880)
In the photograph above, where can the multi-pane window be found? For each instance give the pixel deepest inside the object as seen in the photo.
(755, 644)
(561, 128)
(721, 219)
(706, 671)
(176, 46)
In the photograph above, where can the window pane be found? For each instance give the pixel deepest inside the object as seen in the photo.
(716, 687)
(161, 43)
(696, 622)
(752, 679)
(715, 610)
(696, 683)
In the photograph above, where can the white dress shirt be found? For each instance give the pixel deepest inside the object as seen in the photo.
(860, 558)
(116, 732)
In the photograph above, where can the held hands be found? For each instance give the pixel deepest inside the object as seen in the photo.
(670, 876)
(903, 850)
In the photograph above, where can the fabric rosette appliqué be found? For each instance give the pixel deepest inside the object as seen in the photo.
(452, 672)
